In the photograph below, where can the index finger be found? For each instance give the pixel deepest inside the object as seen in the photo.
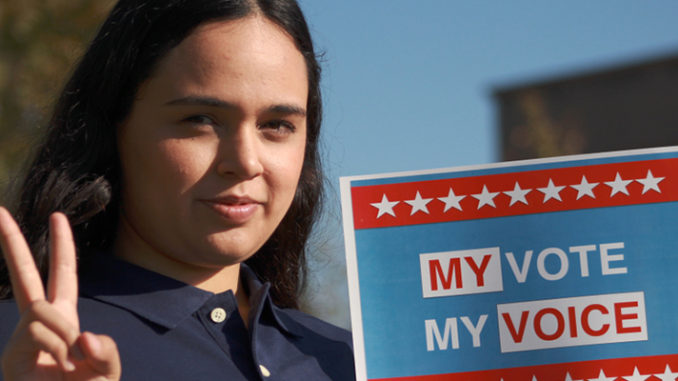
(26, 282)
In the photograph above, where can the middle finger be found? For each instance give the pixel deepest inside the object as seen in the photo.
(62, 284)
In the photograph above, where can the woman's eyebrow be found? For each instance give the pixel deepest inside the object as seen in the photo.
(286, 109)
(193, 100)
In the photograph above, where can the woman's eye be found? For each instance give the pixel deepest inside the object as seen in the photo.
(200, 120)
(280, 127)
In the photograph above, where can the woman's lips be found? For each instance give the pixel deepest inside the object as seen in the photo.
(235, 210)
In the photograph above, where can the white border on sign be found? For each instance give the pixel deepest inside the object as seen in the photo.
(353, 284)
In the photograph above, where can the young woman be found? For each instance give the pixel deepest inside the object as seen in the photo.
(183, 152)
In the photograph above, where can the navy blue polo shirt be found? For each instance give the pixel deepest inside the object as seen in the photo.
(168, 330)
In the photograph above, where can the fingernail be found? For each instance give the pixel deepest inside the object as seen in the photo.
(69, 366)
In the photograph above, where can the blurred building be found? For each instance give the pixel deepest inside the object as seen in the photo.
(632, 106)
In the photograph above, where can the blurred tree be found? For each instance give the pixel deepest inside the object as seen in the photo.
(541, 134)
(39, 43)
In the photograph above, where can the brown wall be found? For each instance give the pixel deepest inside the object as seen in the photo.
(629, 107)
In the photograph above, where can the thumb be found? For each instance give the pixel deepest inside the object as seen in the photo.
(101, 353)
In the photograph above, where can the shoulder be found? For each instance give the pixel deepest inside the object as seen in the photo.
(331, 347)
(316, 327)
(297, 322)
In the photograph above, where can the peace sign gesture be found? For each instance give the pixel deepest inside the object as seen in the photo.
(47, 343)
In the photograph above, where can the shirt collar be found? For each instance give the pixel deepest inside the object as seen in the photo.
(155, 297)
(163, 300)
(262, 306)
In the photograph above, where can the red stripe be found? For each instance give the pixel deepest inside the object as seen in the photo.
(584, 370)
(365, 215)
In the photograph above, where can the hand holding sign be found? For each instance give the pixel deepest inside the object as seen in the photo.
(47, 342)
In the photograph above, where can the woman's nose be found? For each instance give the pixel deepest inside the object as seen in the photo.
(240, 154)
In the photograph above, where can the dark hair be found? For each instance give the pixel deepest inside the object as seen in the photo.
(77, 171)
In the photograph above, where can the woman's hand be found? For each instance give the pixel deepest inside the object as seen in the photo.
(47, 343)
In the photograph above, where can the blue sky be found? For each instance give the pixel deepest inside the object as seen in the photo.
(408, 84)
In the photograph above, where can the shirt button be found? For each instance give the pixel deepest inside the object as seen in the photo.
(264, 372)
(218, 315)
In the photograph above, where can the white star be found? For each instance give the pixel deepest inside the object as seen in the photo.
(618, 185)
(636, 376)
(485, 197)
(569, 378)
(650, 182)
(585, 188)
(385, 206)
(602, 377)
(419, 204)
(668, 375)
(518, 194)
(451, 201)
(551, 191)
(534, 378)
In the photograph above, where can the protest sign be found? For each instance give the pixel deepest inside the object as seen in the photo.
(554, 269)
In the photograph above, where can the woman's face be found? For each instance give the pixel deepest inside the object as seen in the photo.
(212, 150)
